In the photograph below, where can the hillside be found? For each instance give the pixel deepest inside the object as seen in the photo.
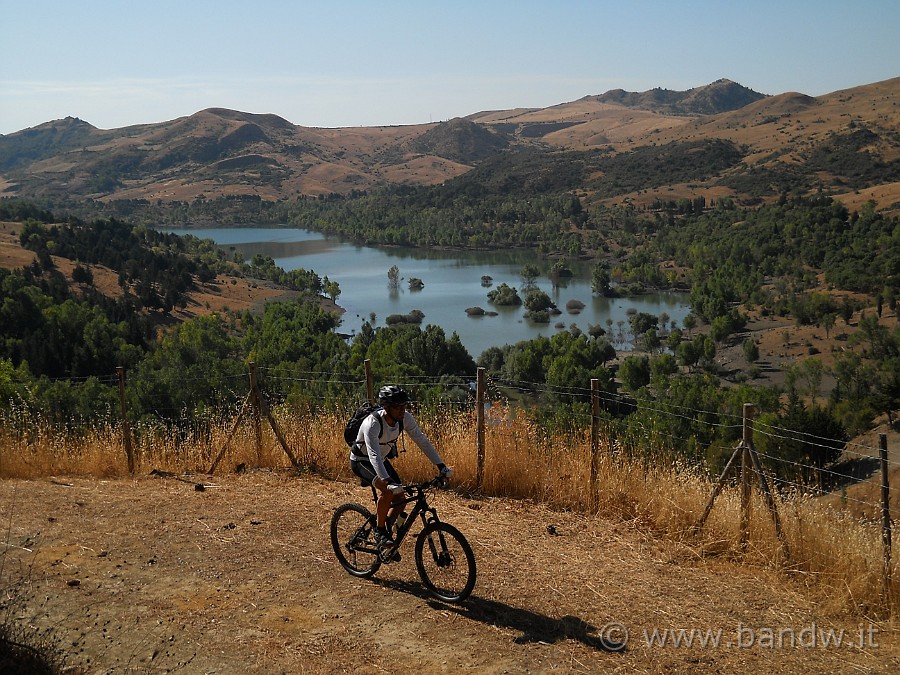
(151, 574)
(222, 293)
(846, 142)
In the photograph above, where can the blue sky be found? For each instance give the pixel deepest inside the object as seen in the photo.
(341, 63)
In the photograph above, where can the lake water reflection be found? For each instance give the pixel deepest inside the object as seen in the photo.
(452, 284)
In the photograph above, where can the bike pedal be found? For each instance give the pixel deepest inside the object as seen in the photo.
(388, 556)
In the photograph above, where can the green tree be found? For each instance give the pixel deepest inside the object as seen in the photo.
(871, 377)
(524, 361)
(332, 289)
(572, 362)
(529, 273)
(504, 295)
(491, 359)
(74, 404)
(674, 338)
(537, 300)
(600, 279)
(433, 353)
(15, 384)
(195, 365)
(690, 322)
(641, 322)
(827, 322)
(805, 439)
(886, 388)
(651, 340)
(720, 328)
(661, 367)
(751, 350)
(82, 275)
(701, 350)
(810, 371)
(847, 310)
(394, 278)
(407, 350)
(688, 353)
(707, 351)
(635, 372)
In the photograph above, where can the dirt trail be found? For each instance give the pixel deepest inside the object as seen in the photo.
(151, 575)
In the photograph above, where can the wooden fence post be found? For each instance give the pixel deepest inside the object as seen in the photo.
(595, 439)
(126, 430)
(749, 463)
(267, 413)
(370, 382)
(261, 409)
(231, 433)
(886, 520)
(257, 412)
(770, 499)
(717, 489)
(746, 482)
(479, 427)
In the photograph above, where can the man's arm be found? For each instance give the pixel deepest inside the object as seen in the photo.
(415, 432)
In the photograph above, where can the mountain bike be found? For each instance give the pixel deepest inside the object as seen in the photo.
(444, 559)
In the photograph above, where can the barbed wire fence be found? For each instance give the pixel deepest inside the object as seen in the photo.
(269, 388)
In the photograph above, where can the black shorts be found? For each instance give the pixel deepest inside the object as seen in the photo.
(366, 472)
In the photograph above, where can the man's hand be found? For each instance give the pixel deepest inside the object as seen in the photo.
(445, 471)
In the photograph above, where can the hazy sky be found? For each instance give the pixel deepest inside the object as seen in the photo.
(341, 63)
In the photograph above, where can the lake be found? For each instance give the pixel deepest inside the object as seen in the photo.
(452, 284)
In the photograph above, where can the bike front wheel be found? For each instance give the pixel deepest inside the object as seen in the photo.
(352, 526)
(445, 562)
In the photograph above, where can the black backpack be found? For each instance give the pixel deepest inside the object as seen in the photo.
(351, 429)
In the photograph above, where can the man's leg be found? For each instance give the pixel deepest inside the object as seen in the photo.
(364, 470)
(383, 505)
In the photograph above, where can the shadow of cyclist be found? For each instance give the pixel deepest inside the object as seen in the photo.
(535, 627)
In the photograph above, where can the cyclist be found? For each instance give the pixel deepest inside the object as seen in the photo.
(376, 445)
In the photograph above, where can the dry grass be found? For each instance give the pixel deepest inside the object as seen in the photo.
(837, 558)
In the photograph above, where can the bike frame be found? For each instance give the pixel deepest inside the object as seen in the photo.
(422, 509)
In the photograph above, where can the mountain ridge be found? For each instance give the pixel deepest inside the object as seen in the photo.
(217, 152)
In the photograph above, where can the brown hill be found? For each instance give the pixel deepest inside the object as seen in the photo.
(792, 123)
(846, 142)
(461, 141)
(718, 97)
(817, 136)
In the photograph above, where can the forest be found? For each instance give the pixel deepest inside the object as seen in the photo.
(61, 341)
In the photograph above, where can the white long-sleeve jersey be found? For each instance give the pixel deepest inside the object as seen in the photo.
(378, 446)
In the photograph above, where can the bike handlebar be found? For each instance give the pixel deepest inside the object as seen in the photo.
(437, 481)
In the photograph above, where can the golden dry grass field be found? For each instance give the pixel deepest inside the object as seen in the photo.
(234, 573)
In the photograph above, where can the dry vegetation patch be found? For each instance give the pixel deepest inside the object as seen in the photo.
(12, 255)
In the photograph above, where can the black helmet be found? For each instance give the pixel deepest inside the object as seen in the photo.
(392, 395)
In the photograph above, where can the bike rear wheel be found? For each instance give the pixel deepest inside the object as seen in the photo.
(352, 526)
(445, 562)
